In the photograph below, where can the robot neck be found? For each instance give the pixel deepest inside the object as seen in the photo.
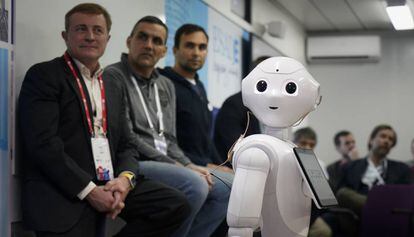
(280, 133)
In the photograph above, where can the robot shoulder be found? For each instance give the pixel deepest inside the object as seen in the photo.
(260, 145)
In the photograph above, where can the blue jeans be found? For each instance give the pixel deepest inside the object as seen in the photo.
(208, 208)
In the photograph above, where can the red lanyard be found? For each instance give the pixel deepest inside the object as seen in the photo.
(85, 105)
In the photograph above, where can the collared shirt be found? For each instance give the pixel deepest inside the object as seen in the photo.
(374, 175)
(94, 91)
(146, 85)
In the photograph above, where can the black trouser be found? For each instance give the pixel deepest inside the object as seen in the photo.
(151, 209)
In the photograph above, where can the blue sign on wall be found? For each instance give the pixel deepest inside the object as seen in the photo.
(4, 153)
(4, 101)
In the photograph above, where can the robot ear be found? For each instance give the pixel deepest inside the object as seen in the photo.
(318, 102)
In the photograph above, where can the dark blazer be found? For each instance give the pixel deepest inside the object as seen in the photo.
(336, 172)
(396, 173)
(231, 122)
(57, 153)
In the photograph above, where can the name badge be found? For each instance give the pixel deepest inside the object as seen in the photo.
(160, 143)
(102, 159)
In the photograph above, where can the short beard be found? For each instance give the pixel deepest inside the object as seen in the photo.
(189, 69)
(380, 153)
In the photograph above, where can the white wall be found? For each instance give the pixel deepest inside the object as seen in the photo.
(293, 43)
(224, 8)
(263, 12)
(262, 48)
(358, 97)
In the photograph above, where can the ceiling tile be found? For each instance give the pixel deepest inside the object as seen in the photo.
(339, 14)
(371, 13)
(305, 13)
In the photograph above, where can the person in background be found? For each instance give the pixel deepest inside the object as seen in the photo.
(231, 120)
(376, 168)
(345, 145)
(361, 175)
(151, 111)
(79, 162)
(194, 118)
(306, 138)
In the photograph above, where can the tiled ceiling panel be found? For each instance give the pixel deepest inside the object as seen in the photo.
(306, 13)
(372, 13)
(339, 15)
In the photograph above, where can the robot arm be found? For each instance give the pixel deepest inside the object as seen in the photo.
(246, 198)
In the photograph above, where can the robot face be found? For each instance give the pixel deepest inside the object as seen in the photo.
(280, 92)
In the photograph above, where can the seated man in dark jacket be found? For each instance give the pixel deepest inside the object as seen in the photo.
(193, 114)
(231, 120)
(376, 169)
(345, 145)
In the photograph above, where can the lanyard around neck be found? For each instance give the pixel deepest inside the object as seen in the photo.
(144, 105)
(83, 95)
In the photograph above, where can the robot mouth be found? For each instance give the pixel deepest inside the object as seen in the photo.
(273, 107)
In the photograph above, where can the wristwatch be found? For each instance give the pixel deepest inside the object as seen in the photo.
(131, 178)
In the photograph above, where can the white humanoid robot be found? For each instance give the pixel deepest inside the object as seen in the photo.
(268, 187)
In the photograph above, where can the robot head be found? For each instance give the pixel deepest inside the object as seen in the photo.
(280, 92)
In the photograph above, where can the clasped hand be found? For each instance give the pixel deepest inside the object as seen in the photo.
(203, 173)
(110, 198)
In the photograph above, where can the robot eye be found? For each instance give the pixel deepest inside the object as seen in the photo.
(261, 86)
(291, 87)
